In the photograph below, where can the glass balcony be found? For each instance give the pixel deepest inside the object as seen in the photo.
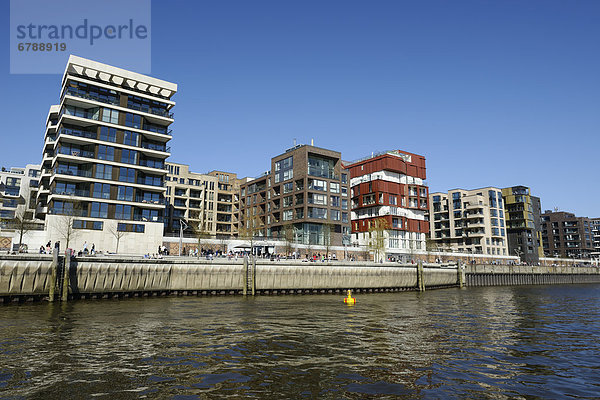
(74, 213)
(76, 153)
(76, 92)
(64, 171)
(72, 192)
(157, 129)
(151, 110)
(79, 133)
(157, 147)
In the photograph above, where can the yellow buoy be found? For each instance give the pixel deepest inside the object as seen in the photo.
(349, 300)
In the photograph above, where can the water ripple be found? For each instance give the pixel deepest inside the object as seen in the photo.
(497, 343)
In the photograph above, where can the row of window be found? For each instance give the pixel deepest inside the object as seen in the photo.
(100, 210)
(112, 116)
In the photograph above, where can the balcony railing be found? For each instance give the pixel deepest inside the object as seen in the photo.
(71, 192)
(79, 133)
(76, 153)
(152, 146)
(73, 213)
(152, 164)
(62, 171)
(156, 111)
(85, 95)
(142, 200)
(147, 219)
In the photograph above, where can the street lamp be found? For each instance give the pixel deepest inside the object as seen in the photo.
(181, 228)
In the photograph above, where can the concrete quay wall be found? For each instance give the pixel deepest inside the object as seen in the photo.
(32, 276)
(36, 276)
(502, 275)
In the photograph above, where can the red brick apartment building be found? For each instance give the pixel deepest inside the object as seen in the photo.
(390, 185)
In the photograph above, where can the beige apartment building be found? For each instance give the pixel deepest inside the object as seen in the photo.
(469, 221)
(207, 203)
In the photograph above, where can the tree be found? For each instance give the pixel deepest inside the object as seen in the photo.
(431, 246)
(22, 223)
(376, 243)
(327, 233)
(118, 234)
(250, 229)
(201, 233)
(288, 236)
(64, 221)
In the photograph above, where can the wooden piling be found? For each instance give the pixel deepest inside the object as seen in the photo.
(53, 274)
(66, 269)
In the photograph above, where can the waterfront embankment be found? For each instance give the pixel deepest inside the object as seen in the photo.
(39, 277)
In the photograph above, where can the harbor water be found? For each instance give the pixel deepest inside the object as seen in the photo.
(525, 342)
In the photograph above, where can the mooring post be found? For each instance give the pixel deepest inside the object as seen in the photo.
(53, 274)
(65, 288)
(460, 270)
(420, 280)
(253, 275)
(245, 289)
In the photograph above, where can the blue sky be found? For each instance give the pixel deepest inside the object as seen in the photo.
(491, 92)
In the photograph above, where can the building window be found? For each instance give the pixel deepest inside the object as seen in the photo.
(111, 116)
(125, 193)
(321, 167)
(103, 171)
(122, 211)
(133, 120)
(93, 225)
(128, 156)
(136, 228)
(101, 191)
(108, 134)
(318, 213)
(127, 175)
(287, 215)
(316, 184)
(106, 153)
(335, 215)
(335, 201)
(131, 138)
(319, 199)
(334, 187)
(99, 210)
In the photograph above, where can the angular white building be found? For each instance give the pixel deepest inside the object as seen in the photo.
(103, 166)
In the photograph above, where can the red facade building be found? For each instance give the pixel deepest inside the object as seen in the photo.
(390, 186)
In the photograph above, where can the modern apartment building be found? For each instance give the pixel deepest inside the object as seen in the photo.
(103, 163)
(206, 203)
(523, 224)
(390, 186)
(470, 221)
(190, 198)
(596, 234)
(303, 197)
(227, 203)
(18, 195)
(566, 235)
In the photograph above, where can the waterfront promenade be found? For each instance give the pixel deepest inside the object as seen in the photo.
(47, 277)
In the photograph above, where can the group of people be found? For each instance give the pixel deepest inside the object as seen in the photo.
(163, 251)
(48, 248)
